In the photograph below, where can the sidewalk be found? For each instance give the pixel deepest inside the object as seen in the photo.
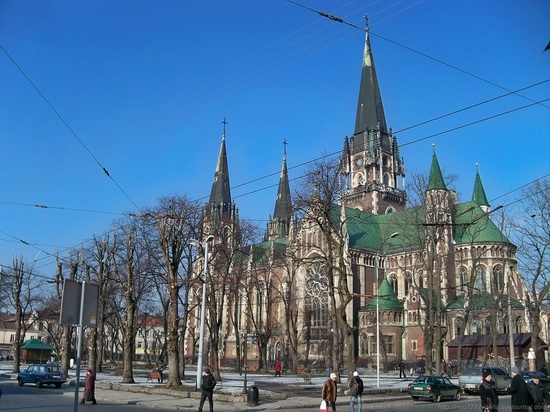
(288, 392)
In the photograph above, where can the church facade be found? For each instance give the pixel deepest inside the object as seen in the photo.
(418, 279)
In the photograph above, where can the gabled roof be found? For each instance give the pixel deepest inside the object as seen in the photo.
(520, 339)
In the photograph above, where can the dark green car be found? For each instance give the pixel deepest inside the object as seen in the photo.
(434, 387)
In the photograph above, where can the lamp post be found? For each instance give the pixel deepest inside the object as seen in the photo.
(203, 309)
(395, 234)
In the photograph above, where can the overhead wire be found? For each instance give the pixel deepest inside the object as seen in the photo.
(335, 19)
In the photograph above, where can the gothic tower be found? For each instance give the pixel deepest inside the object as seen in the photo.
(279, 225)
(220, 216)
(371, 164)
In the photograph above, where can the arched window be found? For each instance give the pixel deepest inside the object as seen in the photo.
(316, 302)
(488, 326)
(408, 283)
(477, 327)
(459, 324)
(420, 280)
(498, 279)
(519, 325)
(481, 282)
(463, 281)
(364, 344)
(394, 286)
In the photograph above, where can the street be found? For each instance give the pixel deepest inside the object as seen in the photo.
(51, 399)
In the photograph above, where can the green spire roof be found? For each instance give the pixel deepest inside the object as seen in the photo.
(388, 299)
(436, 177)
(473, 225)
(479, 197)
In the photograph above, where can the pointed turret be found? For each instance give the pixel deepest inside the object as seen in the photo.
(478, 196)
(279, 225)
(436, 177)
(370, 112)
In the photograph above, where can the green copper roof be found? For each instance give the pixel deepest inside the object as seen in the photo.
(436, 177)
(481, 301)
(36, 344)
(478, 196)
(386, 298)
(473, 225)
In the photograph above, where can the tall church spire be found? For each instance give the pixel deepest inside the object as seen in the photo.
(370, 112)
(373, 171)
(220, 195)
(280, 224)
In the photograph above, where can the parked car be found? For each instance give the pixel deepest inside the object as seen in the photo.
(434, 387)
(470, 379)
(42, 374)
(528, 377)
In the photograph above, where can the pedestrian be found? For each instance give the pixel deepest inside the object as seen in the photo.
(519, 391)
(278, 367)
(488, 392)
(207, 385)
(544, 370)
(89, 387)
(160, 368)
(539, 397)
(329, 392)
(402, 369)
(356, 392)
(443, 367)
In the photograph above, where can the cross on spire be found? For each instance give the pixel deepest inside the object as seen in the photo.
(285, 143)
(224, 121)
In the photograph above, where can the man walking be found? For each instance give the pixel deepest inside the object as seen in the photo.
(330, 391)
(356, 392)
(402, 369)
(208, 384)
(519, 391)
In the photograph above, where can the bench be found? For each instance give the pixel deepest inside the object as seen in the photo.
(154, 375)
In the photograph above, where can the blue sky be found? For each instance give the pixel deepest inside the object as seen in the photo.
(145, 85)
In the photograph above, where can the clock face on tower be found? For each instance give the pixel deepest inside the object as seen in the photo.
(359, 161)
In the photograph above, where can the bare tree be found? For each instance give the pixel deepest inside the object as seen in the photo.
(532, 231)
(317, 203)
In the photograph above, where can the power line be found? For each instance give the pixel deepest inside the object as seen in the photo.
(68, 126)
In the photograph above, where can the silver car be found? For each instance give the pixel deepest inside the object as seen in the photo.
(470, 379)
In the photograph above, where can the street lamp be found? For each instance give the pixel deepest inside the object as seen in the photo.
(395, 234)
(203, 308)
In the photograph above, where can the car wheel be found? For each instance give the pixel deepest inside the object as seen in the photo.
(415, 398)
(20, 382)
(38, 383)
(58, 385)
(437, 398)
(458, 396)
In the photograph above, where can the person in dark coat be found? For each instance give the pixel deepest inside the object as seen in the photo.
(519, 391)
(356, 386)
(544, 370)
(330, 391)
(89, 387)
(208, 384)
(539, 396)
(402, 369)
(488, 392)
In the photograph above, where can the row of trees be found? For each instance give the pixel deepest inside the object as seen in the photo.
(144, 267)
